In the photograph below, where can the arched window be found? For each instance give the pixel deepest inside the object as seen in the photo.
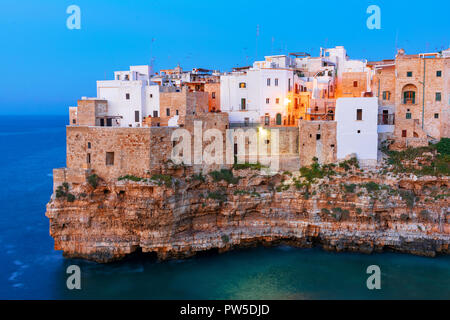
(409, 94)
(409, 97)
(279, 119)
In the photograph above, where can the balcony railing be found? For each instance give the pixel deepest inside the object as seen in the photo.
(386, 119)
(244, 124)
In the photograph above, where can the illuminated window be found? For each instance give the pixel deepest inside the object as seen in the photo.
(242, 85)
(277, 100)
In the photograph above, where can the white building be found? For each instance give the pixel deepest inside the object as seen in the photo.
(356, 130)
(259, 93)
(131, 96)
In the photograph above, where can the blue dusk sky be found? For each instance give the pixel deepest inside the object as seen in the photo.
(45, 67)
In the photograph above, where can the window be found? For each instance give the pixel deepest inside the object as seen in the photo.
(278, 119)
(358, 114)
(243, 104)
(127, 77)
(176, 112)
(168, 112)
(136, 116)
(355, 84)
(276, 82)
(318, 136)
(277, 100)
(409, 97)
(213, 95)
(110, 158)
(403, 133)
(386, 95)
(436, 115)
(155, 114)
(267, 120)
(151, 95)
(109, 122)
(118, 77)
(439, 73)
(74, 121)
(408, 115)
(409, 74)
(89, 145)
(438, 96)
(268, 82)
(359, 131)
(127, 96)
(316, 108)
(242, 85)
(267, 100)
(88, 158)
(102, 122)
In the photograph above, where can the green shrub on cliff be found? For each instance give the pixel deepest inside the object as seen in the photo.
(162, 179)
(224, 174)
(349, 188)
(217, 195)
(63, 192)
(198, 177)
(253, 166)
(371, 186)
(93, 180)
(131, 178)
(443, 146)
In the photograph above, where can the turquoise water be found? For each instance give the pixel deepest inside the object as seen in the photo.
(31, 269)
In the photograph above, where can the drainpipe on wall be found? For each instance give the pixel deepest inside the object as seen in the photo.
(423, 93)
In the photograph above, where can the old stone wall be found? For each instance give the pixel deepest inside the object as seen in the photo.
(317, 139)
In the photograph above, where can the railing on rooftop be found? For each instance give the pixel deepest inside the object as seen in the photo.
(386, 119)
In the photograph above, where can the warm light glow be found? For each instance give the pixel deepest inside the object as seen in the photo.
(286, 101)
(262, 131)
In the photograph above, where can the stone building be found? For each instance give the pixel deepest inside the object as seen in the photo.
(317, 139)
(416, 89)
(176, 103)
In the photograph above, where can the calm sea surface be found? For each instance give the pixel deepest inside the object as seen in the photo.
(31, 269)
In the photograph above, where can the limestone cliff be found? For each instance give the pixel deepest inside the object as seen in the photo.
(178, 215)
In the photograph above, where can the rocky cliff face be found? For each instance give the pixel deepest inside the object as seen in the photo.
(177, 216)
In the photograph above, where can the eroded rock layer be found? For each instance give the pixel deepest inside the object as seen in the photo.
(182, 216)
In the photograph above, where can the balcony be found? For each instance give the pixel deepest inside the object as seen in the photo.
(386, 119)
